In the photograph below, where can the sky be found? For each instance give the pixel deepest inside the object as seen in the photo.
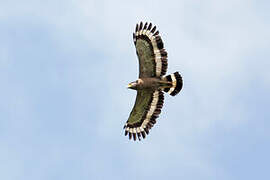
(64, 68)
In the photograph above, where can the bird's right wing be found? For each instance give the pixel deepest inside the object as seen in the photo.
(143, 116)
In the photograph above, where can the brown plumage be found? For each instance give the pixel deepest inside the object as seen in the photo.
(152, 83)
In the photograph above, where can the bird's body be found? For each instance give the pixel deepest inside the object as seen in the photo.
(152, 81)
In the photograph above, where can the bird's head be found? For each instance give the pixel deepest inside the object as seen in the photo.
(135, 84)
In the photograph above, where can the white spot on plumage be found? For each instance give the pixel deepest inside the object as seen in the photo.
(144, 31)
(153, 37)
(158, 65)
(150, 35)
(147, 33)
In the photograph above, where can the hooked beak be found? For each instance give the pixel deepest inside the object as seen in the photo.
(129, 85)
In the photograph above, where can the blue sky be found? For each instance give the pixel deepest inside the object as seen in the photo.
(64, 67)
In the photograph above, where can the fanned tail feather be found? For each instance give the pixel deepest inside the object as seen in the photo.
(177, 83)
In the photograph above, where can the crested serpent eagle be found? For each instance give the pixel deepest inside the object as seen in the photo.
(152, 81)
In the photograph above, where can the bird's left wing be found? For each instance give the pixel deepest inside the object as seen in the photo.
(143, 116)
(151, 53)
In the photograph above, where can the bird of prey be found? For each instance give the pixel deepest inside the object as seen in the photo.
(152, 81)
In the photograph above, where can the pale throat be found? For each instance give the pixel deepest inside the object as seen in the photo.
(140, 81)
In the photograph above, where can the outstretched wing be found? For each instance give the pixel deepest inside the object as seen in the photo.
(149, 48)
(143, 116)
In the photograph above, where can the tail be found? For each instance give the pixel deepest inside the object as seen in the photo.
(177, 83)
